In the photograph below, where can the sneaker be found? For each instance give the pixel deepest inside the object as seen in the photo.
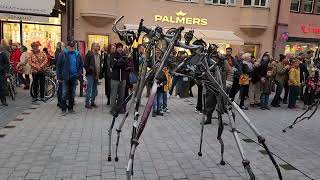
(262, 108)
(304, 107)
(160, 113)
(167, 110)
(268, 108)
(178, 96)
(196, 111)
(94, 105)
(71, 111)
(34, 99)
(251, 105)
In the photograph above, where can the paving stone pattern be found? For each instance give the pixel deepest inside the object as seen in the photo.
(49, 146)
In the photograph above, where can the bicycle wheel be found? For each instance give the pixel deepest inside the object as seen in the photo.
(31, 90)
(50, 89)
(11, 91)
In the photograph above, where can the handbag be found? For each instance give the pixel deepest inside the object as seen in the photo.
(133, 78)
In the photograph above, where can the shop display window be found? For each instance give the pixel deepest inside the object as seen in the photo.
(47, 35)
(100, 39)
(296, 48)
(252, 49)
(11, 31)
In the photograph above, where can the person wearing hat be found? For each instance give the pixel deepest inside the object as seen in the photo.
(69, 68)
(38, 62)
(118, 65)
(24, 67)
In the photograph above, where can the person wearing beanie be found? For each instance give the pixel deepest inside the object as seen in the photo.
(119, 66)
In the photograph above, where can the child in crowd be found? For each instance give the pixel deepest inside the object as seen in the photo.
(158, 100)
(266, 85)
(165, 90)
(294, 84)
(244, 85)
(310, 93)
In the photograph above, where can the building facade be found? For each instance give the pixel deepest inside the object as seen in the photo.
(247, 25)
(298, 29)
(25, 21)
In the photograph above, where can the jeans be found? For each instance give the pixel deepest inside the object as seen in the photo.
(92, 90)
(293, 95)
(177, 80)
(68, 92)
(38, 79)
(243, 92)
(59, 93)
(158, 101)
(264, 98)
(276, 98)
(165, 100)
(118, 89)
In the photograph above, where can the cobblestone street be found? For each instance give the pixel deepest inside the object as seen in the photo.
(43, 144)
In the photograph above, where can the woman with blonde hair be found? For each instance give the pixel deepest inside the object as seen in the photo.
(24, 67)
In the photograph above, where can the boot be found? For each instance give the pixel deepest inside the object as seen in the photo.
(4, 102)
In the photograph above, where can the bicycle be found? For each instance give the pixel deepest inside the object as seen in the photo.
(10, 84)
(50, 85)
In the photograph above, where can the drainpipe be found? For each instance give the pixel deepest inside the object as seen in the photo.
(276, 28)
(70, 19)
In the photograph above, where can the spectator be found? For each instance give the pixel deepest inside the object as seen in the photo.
(286, 79)
(118, 65)
(310, 92)
(294, 84)
(244, 81)
(165, 90)
(59, 50)
(69, 68)
(15, 57)
(266, 90)
(178, 80)
(237, 67)
(107, 69)
(304, 73)
(279, 73)
(161, 81)
(4, 68)
(93, 67)
(38, 62)
(24, 67)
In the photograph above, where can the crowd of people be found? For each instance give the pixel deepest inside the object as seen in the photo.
(296, 77)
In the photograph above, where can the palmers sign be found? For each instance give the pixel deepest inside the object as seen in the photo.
(181, 18)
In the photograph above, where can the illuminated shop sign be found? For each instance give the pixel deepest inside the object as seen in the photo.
(43, 7)
(311, 28)
(181, 18)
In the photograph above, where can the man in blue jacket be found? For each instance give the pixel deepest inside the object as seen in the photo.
(69, 67)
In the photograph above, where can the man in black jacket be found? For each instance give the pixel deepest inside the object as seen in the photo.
(4, 68)
(119, 67)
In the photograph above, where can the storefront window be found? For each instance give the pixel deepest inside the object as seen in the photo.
(308, 6)
(47, 35)
(252, 49)
(11, 31)
(100, 39)
(295, 5)
(296, 47)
